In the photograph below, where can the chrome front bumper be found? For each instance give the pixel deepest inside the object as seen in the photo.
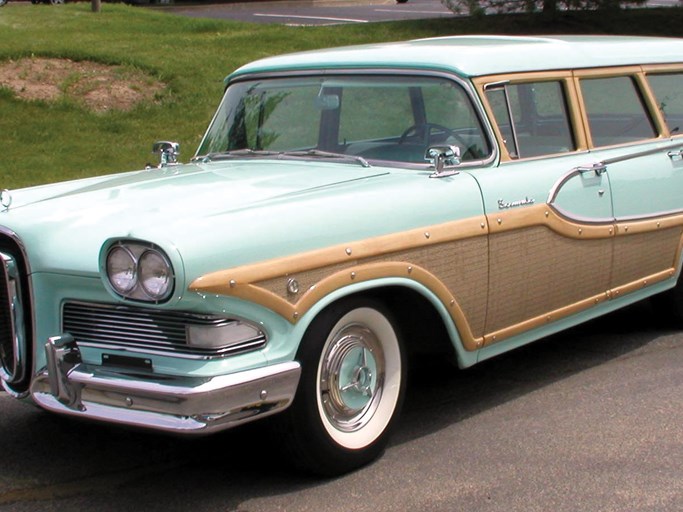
(184, 405)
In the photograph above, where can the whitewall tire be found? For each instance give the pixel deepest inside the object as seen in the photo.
(351, 388)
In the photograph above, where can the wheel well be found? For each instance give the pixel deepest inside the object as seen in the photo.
(420, 324)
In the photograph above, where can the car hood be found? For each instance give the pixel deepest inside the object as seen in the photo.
(203, 188)
(64, 225)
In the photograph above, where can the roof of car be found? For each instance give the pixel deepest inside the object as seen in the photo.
(471, 56)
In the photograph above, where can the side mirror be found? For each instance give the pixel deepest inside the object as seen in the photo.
(441, 157)
(168, 152)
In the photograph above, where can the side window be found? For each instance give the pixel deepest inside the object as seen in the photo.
(616, 112)
(668, 89)
(532, 118)
(398, 118)
(447, 105)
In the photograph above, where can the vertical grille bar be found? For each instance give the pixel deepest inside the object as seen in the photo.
(16, 324)
(6, 324)
(12, 333)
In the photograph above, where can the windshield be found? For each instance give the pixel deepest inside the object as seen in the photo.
(392, 118)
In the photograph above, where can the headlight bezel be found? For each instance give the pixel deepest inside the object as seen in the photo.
(144, 257)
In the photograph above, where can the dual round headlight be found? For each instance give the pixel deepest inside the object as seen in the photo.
(140, 272)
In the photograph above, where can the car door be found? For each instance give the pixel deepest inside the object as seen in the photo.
(632, 145)
(549, 209)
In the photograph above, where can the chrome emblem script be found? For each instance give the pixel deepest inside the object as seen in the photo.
(504, 205)
(5, 199)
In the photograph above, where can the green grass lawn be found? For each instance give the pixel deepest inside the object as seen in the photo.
(45, 142)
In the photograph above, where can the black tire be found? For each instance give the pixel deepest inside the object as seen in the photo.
(351, 389)
(669, 304)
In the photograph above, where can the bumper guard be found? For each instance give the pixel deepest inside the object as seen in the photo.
(183, 405)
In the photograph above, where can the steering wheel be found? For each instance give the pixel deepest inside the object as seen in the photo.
(425, 131)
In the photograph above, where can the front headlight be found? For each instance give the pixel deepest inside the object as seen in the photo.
(155, 274)
(122, 269)
(139, 271)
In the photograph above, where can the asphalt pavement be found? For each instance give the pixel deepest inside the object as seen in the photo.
(316, 12)
(589, 420)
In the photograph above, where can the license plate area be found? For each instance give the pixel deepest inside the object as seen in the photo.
(119, 361)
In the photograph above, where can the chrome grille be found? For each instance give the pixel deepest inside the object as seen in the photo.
(145, 330)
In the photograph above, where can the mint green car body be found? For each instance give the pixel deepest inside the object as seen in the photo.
(240, 207)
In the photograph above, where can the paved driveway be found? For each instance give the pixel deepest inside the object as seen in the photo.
(323, 12)
(589, 420)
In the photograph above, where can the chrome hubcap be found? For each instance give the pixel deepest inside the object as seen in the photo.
(352, 377)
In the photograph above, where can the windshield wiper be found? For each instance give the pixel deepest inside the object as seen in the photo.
(317, 153)
(236, 153)
(260, 153)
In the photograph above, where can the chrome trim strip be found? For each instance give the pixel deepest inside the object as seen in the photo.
(595, 221)
(183, 405)
(649, 216)
(576, 171)
(241, 348)
(613, 220)
(645, 152)
(599, 168)
(17, 331)
(15, 244)
(17, 241)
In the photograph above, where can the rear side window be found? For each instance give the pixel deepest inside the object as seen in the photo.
(532, 118)
(616, 112)
(668, 89)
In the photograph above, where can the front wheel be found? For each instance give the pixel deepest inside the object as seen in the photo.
(351, 388)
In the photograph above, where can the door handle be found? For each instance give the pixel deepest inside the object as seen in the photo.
(675, 155)
(599, 168)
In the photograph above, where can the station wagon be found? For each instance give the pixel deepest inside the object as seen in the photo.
(346, 211)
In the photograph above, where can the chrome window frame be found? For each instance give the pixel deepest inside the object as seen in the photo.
(468, 89)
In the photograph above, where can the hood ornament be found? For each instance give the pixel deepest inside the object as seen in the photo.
(5, 199)
(168, 153)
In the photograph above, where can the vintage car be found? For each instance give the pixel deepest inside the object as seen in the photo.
(346, 211)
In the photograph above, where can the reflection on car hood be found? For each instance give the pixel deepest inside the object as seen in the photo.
(203, 188)
(70, 221)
